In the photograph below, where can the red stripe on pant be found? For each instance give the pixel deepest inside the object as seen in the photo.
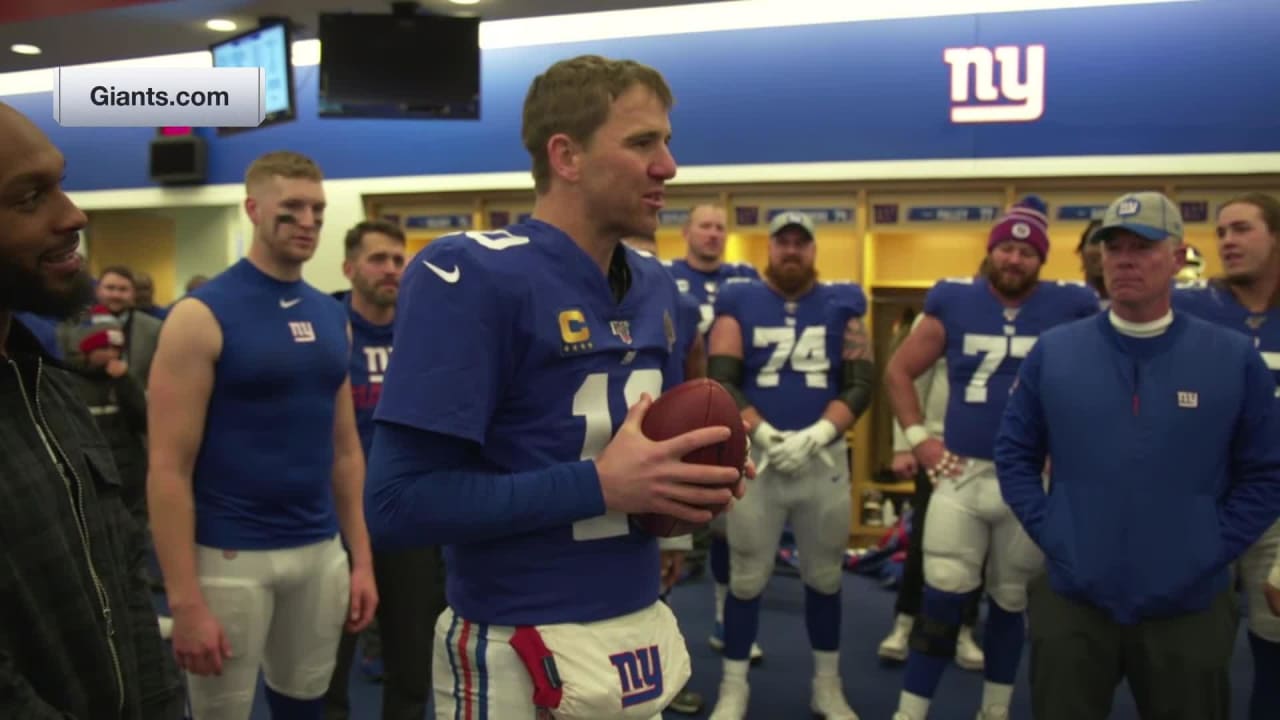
(465, 663)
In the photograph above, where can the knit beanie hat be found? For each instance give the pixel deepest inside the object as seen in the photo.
(1027, 221)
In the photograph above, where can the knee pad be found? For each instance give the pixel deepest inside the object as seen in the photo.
(748, 575)
(934, 637)
(951, 573)
(1010, 596)
(823, 577)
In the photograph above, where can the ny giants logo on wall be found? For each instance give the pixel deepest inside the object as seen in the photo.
(979, 96)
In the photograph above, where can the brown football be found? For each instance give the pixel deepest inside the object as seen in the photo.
(691, 405)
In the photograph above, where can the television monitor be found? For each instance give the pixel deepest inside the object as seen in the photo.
(399, 66)
(267, 47)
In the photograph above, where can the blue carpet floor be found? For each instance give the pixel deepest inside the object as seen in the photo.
(780, 686)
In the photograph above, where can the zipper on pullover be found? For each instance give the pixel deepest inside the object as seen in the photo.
(75, 494)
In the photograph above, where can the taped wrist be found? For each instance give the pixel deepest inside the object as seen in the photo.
(727, 370)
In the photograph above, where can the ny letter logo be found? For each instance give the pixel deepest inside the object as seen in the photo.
(640, 673)
(1015, 100)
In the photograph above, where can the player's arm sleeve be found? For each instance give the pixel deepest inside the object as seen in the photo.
(1021, 447)
(426, 488)
(1253, 501)
(727, 369)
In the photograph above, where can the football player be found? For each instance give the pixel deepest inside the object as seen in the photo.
(796, 355)
(509, 425)
(983, 327)
(256, 463)
(1245, 299)
(701, 273)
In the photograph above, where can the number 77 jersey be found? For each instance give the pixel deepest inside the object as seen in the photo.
(986, 343)
(791, 349)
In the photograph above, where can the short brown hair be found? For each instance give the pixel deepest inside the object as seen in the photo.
(573, 97)
(712, 205)
(282, 163)
(1267, 205)
(355, 236)
(121, 271)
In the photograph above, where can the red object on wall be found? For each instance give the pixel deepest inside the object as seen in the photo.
(12, 12)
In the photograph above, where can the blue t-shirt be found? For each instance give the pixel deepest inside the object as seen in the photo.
(513, 340)
(263, 476)
(791, 348)
(986, 343)
(370, 355)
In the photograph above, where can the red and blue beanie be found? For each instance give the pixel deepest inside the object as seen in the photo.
(1027, 221)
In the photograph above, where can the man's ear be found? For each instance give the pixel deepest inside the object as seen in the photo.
(565, 157)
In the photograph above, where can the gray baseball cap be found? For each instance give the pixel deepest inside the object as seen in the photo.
(1147, 214)
(791, 218)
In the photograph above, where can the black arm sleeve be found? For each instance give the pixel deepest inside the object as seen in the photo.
(727, 370)
(857, 383)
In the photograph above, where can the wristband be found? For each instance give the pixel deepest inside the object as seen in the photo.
(915, 435)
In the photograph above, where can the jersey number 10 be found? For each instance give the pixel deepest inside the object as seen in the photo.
(993, 349)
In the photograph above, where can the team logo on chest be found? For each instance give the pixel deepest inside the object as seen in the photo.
(302, 331)
(640, 673)
(1255, 321)
(621, 329)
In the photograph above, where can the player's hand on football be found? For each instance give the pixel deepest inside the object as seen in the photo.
(638, 475)
(800, 447)
(904, 465)
(199, 643)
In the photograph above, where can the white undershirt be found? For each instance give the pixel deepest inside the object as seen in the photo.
(1151, 329)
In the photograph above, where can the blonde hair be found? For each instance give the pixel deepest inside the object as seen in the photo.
(573, 97)
(282, 163)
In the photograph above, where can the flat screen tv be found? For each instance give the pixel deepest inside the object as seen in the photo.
(267, 47)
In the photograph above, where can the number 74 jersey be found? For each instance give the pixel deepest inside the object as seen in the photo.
(791, 348)
(986, 343)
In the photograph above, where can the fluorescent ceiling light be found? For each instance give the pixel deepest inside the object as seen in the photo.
(25, 49)
(221, 25)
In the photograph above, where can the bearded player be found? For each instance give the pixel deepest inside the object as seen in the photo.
(797, 357)
(983, 327)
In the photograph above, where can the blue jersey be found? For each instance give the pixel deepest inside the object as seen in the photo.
(687, 323)
(513, 340)
(986, 343)
(370, 354)
(1216, 303)
(791, 348)
(704, 286)
(263, 476)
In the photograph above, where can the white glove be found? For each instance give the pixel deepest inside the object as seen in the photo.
(793, 452)
(766, 437)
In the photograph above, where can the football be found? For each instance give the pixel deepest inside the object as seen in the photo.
(691, 405)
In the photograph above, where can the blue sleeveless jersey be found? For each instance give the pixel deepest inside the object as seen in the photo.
(263, 477)
(1214, 302)
(986, 343)
(370, 355)
(705, 286)
(539, 371)
(791, 349)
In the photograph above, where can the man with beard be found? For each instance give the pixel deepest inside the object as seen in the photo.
(80, 638)
(1245, 299)
(797, 357)
(983, 327)
(255, 464)
(410, 582)
(701, 273)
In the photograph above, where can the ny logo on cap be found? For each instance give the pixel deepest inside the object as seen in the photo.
(1129, 207)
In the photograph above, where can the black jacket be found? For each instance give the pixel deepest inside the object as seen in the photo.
(119, 405)
(78, 632)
